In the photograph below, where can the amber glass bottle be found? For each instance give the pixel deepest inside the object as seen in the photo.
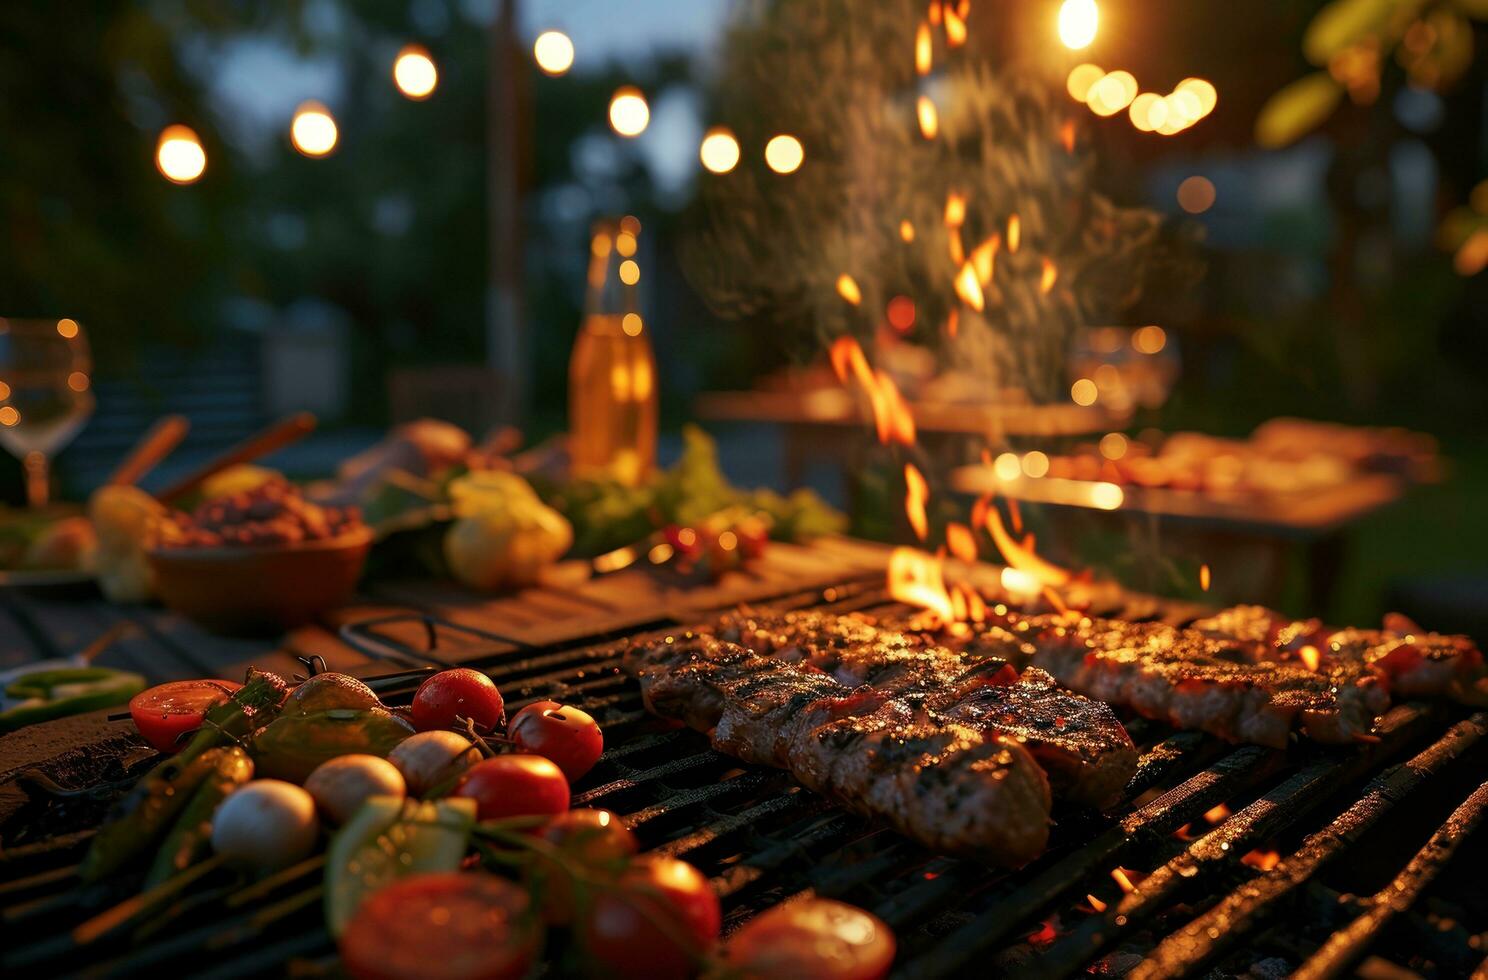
(612, 372)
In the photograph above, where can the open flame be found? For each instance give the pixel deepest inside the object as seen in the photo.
(922, 49)
(1048, 276)
(960, 541)
(892, 419)
(1215, 814)
(1020, 555)
(1310, 657)
(1204, 577)
(847, 288)
(929, 118)
(918, 579)
(984, 257)
(955, 27)
(1123, 878)
(916, 493)
(969, 287)
(1261, 860)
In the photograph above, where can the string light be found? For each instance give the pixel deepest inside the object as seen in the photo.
(784, 154)
(629, 114)
(313, 131)
(414, 73)
(179, 155)
(1083, 392)
(554, 52)
(1081, 78)
(1078, 21)
(67, 328)
(719, 151)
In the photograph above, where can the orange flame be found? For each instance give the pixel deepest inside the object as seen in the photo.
(953, 322)
(1310, 657)
(916, 492)
(1122, 877)
(955, 28)
(1014, 233)
(969, 288)
(929, 118)
(1021, 557)
(1204, 577)
(892, 419)
(916, 578)
(955, 210)
(922, 49)
(906, 230)
(983, 258)
(1015, 514)
(847, 288)
(1096, 903)
(960, 541)
(1217, 814)
(847, 359)
(934, 13)
(1046, 279)
(1261, 860)
(1067, 135)
(953, 239)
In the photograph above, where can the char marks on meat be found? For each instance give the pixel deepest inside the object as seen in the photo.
(952, 787)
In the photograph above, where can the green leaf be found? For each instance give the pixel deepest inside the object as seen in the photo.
(1343, 23)
(1296, 110)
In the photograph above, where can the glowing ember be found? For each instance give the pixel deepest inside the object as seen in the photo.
(1204, 577)
(929, 118)
(922, 49)
(1261, 860)
(916, 579)
(955, 28)
(969, 287)
(961, 542)
(953, 239)
(1122, 877)
(1047, 277)
(953, 321)
(1067, 135)
(984, 257)
(906, 230)
(847, 288)
(955, 210)
(1014, 233)
(1310, 657)
(1096, 903)
(916, 492)
(1216, 814)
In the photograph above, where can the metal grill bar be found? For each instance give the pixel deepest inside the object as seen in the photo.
(1240, 911)
(1345, 946)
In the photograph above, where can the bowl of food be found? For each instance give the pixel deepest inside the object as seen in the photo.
(259, 561)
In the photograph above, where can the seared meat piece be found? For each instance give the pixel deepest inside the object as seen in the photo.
(1088, 755)
(1083, 747)
(1415, 662)
(1194, 680)
(953, 788)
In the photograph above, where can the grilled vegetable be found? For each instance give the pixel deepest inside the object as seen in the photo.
(430, 758)
(191, 838)
(48, 694)
(233, 720)
(268, 824)
(167, 713)
(324, 692)
(292, 746)
(341, 785)
(389, 839)
(144, 816)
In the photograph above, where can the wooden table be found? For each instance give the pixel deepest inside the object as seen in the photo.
(164, 646)
(1314, 520)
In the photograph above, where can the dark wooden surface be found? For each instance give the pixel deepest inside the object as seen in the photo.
(163, 646)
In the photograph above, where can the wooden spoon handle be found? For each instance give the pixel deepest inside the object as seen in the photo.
(156, 444)
(277, 436)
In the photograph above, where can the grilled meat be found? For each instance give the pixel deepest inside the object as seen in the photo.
(1415, 662)
(1088, 755)
(1195, 680)
(954, 788)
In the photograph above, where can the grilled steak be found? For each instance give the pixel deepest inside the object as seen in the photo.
(1195, 680)
(1415, 662)
(953, 788)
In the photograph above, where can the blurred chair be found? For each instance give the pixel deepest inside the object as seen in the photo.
(466, 394)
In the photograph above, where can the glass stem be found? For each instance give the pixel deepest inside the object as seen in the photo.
(36, 479)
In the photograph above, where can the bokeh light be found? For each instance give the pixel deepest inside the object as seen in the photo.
(554, 52)
(1149, 340)
(1148, 111)
(1007, 467)
(1196, 194)
(1036, 464)
(1113, 445)
(784, 154)
(1081, 78)
(1083, 392)
(179, 155)
(629, 114)
(414, 73)
(719, 151)
(1202, 90)
(1078, 21)
(313, 131)
(630, 272)
(67, 328)
(1112, 93)
(901, 313)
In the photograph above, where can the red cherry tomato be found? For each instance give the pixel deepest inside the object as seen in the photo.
(818, 938)
(450, 926)
(515, 786)
(166, 712)
(457, 693)
(564, 734)
(595, 840)
(654, 924)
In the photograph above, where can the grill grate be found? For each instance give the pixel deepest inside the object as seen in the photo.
(764, 840)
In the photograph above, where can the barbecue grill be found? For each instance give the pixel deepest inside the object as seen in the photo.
(1239, 860)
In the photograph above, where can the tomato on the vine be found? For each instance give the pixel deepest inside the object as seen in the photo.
(568, 736)
(443, 927)
(167, 712)
(515, 786)
(458, 693)
(815, 937)
(655, 922)
(592, 841)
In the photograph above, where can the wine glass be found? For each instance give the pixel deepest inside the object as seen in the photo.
(45, 393)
